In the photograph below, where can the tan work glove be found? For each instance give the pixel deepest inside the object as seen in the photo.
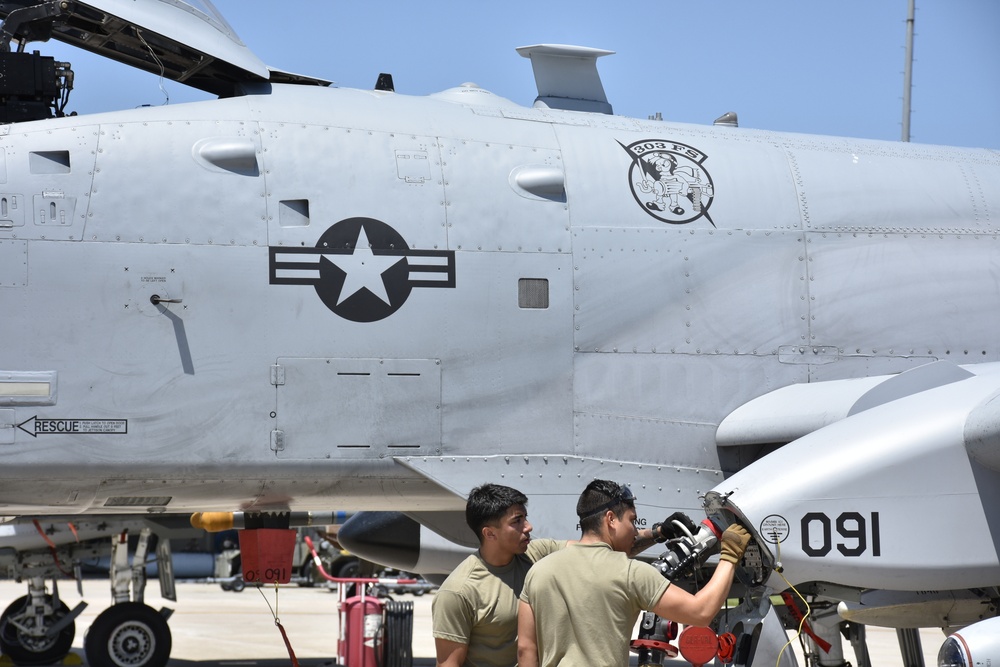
(734, 543)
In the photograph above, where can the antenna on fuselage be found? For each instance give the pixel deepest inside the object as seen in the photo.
(566, 77)
(908, 71)
(384, 82)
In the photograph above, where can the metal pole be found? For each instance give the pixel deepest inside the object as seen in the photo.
(908, 71)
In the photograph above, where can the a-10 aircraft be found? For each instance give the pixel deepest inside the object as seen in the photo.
(298, 297)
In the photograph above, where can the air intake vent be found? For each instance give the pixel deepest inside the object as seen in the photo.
(533, 293)
(137, 501)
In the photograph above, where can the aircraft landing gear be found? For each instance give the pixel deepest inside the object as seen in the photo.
(24, 634)
(38, 628)
(129, 634)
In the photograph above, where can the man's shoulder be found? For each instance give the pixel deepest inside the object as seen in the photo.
(460, 577)
(640, 569)
(581, 554)
(542, 547)
(552, 561)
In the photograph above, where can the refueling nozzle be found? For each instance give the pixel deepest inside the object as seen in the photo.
(687, 551)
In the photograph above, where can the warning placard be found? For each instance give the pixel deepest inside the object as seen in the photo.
(36, 427)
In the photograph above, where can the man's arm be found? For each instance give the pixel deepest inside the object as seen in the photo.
(678, 605)
(661, 532)
(449, 653)
(527, 641)
(644, 539)
(452, 619)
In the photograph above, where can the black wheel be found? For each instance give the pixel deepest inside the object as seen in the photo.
(348, 570)
(129, 634)
(24, 649)
(309, 575)
(238, 585)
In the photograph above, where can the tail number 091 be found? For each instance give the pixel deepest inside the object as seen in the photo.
(855, 534)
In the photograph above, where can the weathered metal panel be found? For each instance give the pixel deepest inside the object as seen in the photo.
(48, 172)
(359, 408)
(865, 289)
(488, 211)
(508, 371)
(13, 263)
(686, 291)
(344, 173)
(185, 206)
(893, 187)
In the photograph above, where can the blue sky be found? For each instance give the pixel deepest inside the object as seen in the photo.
(831, 68)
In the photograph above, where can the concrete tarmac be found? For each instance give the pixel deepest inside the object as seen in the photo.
(211, 627)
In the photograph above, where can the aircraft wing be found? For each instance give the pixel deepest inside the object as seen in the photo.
(189, 42)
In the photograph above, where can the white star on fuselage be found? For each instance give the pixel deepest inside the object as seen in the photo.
(364, 270)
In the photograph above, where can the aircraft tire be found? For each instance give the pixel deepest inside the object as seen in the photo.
(349, 569)
(129, 634)
(26, 650)
(238, 585)
(309, 575)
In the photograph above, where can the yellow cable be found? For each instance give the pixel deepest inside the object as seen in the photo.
(798, 634)
(801, 623)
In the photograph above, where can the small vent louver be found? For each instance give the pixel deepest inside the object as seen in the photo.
(137, 501)
(533, 293)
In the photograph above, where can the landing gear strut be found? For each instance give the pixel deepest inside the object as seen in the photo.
(38, 628)
(129, 633)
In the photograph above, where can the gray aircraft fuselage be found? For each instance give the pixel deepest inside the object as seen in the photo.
(316, 298)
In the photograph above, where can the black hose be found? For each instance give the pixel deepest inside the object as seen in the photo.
(398, 634)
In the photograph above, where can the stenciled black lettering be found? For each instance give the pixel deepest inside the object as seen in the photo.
(686, 151)
(824, 522)
(876, 536)
(858, 534)
(649, 146)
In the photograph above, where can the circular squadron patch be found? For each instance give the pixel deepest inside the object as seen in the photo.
(668, 179)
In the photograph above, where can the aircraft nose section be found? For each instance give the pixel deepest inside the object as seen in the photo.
(387, 538)
(855, 502)
(758, 561)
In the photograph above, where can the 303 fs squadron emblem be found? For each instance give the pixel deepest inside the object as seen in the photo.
(669, 181)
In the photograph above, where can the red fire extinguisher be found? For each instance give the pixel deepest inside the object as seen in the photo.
(361, 634)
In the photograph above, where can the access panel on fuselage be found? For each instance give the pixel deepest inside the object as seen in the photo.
(492, 205)
(167, 181)
(318, 176)
(45, 182)
(357, 408)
